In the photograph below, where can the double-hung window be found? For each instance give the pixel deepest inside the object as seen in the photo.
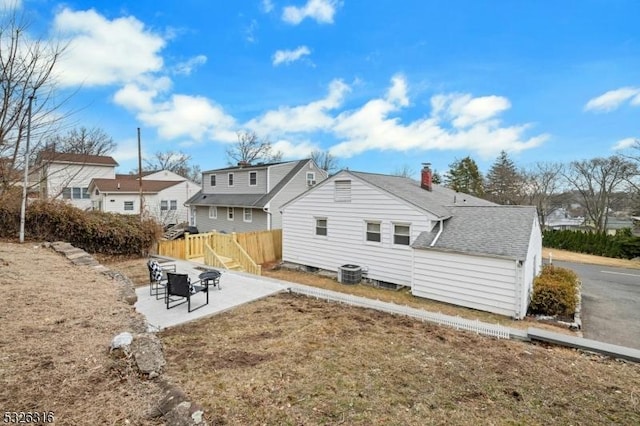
(128, 205)
(247, 215)
(213, 180)
(373, 232)
(213, 212)
(230, 177)
(164, 205)
(173, 205)
(229, 213)
(401, 234)
(253, 178)
(321, 226)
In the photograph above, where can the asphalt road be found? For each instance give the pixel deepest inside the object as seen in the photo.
(610, 303)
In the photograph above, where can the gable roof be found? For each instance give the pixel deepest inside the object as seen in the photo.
(60, 157)
(128, 185)
(502, 231)
(246, 200)
(437, 201)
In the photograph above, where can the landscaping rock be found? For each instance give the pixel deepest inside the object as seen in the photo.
(122, 341)
(147, 353)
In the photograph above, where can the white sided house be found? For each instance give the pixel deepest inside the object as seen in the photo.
(444, 245)
(163, 195)
(67, 176)
(248, 197)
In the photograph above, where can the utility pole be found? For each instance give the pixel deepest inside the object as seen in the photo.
(23, 209)
(140, 174)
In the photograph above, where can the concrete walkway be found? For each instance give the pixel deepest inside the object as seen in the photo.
(237, 288)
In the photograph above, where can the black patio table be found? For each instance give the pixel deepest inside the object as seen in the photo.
(211, 277)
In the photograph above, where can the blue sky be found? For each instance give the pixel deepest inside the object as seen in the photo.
(381, 84)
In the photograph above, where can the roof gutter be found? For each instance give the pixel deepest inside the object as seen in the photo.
(435, 240)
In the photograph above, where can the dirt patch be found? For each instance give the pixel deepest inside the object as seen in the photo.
(57, 322)
(326, 363)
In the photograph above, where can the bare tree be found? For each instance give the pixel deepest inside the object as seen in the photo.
(94, 141)
(596, 180)
(250, 148)
(405, 171)
(176, 162)
(543, 185)
(26, 66)
(325, 160)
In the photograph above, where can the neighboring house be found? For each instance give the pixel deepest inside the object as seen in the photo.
(560, 219)
(444, 245)
(248, 197)
(67, 176)
(163, 194)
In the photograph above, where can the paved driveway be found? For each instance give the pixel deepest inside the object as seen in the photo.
(610, 303)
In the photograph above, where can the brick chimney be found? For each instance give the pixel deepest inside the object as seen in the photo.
(242, 164)
(425, 181)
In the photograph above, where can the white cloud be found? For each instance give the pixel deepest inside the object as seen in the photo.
(288, 56)
(126, 150)
(307, 118)
(458, 121)
(102, 51)
(250, 31)
(625, 143)
(320, 10)
(267, 6)
(295, 150)
(613, 99)
(187, 67)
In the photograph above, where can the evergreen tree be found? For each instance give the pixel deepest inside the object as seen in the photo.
(504, 182)
(464, 176)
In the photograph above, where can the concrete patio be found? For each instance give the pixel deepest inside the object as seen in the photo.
(236, 288)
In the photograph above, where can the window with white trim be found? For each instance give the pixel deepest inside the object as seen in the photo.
(373, 233)
(253, 178)
(401, 234)
(213, 180)
(342, 190)
(76, 193)
(229, 213)
(164, 205)
(247, 214)
(213, 212)
(311, 178)
(321, 226)
(128, 205)
(230, 178)
(173, 205)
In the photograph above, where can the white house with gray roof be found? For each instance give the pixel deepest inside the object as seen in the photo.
(444, 245)
(248, 197)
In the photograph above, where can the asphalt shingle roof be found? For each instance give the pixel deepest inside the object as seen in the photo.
(131, 185)
(59, 157)
(437, 201)
(496, 230)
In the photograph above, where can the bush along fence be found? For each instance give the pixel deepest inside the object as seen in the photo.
(621, 245)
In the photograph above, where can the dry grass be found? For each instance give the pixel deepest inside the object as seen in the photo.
(569, 256)
(57, 323)
(295, 360)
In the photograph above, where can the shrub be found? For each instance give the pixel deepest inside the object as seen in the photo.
(622, 245)
(95, 232)
(555, 292)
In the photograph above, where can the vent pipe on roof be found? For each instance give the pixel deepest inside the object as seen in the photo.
(426, 179)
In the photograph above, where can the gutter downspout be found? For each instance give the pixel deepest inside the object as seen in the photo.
(435, 240)
(269, 216)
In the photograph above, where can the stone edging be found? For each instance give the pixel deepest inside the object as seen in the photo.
(146, 348)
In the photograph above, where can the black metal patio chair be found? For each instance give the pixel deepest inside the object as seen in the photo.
(158, 277)
(180, 286)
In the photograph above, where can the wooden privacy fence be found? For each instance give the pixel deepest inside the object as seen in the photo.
(262, 246)
(250, 249)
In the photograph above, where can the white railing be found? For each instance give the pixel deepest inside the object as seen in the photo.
(475, 326)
